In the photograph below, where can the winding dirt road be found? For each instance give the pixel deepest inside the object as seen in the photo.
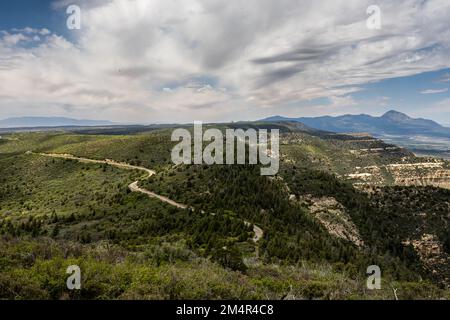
(107, 161)
(134, 187)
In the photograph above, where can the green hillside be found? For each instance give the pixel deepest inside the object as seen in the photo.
(58, 212)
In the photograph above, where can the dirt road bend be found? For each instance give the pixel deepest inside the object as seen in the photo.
(134, 187)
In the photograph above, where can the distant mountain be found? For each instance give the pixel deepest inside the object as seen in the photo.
(391, 123)
(22, 122)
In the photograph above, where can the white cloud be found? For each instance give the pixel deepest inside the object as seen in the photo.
(245, 57)
(14, 39)
(434, 91)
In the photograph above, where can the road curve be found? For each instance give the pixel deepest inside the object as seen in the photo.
(134, 187)
(106, 161)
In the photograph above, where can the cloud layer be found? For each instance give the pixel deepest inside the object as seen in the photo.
(215, 60)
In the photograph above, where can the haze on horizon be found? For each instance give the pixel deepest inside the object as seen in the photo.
(49, 121)
(178, 61)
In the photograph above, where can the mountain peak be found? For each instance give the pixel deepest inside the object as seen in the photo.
(395, 115)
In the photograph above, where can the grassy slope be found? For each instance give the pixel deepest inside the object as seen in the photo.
(36, 270)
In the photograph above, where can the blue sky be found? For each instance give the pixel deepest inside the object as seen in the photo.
(412, 94)
(28, 13)
(164, 61)
(19, 14)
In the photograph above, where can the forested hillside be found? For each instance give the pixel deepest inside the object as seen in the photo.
(58, 212)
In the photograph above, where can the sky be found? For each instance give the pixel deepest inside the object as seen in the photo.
(159, 61)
